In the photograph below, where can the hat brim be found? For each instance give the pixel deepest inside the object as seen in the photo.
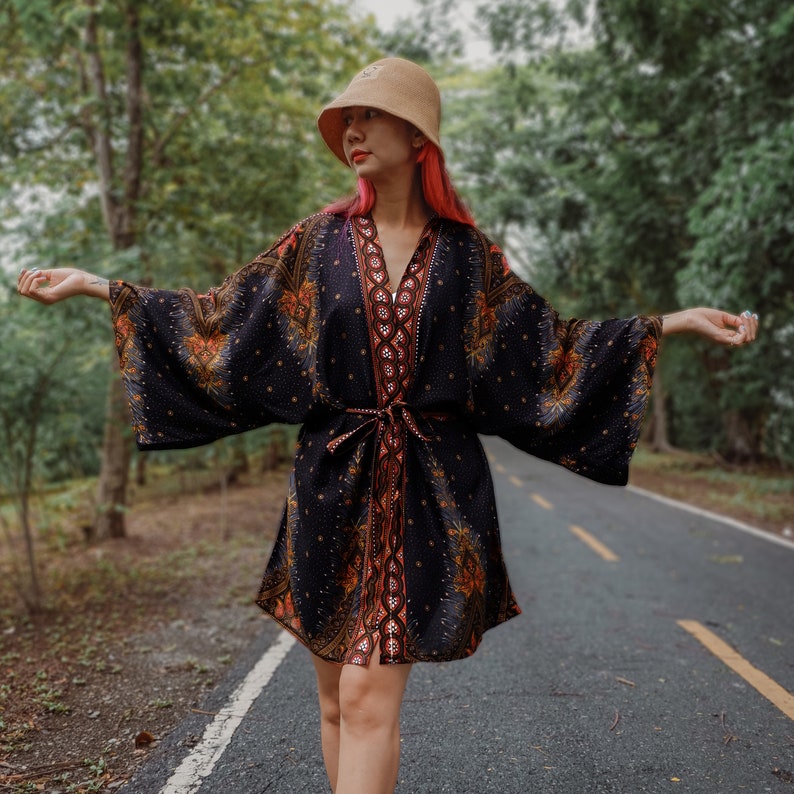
(405, 91)
(332, 125)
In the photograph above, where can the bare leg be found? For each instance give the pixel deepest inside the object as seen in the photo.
(328, 690)
(360, 714)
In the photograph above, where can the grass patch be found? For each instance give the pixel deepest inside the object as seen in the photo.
(760, 495)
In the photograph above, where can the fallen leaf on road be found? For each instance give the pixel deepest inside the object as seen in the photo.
(728, 559)
(144, 739)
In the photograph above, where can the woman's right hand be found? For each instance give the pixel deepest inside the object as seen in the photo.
(51, 286)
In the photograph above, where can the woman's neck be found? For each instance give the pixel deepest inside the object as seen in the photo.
(400, 206)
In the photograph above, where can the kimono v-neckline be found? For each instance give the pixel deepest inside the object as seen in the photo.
(392, 325)
(392, 319)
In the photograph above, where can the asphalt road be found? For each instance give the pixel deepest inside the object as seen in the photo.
(597, 687)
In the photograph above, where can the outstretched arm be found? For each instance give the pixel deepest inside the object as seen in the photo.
(713, 324)
(51, 286)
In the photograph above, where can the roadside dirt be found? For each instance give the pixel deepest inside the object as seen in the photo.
(142, 629)
(770, 507)
(137, 631)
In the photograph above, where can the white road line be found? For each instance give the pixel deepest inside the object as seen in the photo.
(699, 511)
(190, 774)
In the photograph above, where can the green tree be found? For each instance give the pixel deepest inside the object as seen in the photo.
(20, 425)
(429, 35)
(45, 413)
(651, 163)
(184, 129)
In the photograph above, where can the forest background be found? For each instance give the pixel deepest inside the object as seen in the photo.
(632, 157)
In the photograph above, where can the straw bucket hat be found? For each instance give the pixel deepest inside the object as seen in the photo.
(395, 85)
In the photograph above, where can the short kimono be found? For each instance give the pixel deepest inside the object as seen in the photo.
(389, 538)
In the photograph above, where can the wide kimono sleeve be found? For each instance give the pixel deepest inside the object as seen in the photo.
(198, 367)
(572, 392)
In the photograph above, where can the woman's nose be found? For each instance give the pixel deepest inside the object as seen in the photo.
(353, 132)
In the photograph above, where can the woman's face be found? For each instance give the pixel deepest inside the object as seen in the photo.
(377, 143)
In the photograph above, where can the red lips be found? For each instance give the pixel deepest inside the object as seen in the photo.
(357, 155)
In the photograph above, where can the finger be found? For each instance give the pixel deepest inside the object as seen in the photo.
(724, 329)
(25, 275)
(739, 322)
(731, 323)
(747, 334)
(32, 285)
(750, 321)
(34, 279)
(738, 337)
(26, 280)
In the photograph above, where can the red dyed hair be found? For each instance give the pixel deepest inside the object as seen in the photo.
(439, 192)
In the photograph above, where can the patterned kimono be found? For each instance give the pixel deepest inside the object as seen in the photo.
(389, 536)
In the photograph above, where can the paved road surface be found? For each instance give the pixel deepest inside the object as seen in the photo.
(600, 686)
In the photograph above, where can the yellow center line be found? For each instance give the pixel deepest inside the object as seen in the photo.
(516, 481)
(498, 467)
(544, 503)
(596, 545)
(770, 689)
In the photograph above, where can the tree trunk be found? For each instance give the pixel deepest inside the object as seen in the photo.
(119, 211)
(655, 434)
(740, 443)
(32, 599)
(22, 479)
(140, 469)
(114, 473)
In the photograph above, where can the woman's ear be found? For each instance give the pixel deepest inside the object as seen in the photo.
(419, 139)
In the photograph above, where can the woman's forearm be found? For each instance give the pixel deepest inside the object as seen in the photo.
(675, 323)
(57, 284)
(97, 287)
(713, 324)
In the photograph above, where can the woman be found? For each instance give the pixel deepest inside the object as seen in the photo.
(394, 332)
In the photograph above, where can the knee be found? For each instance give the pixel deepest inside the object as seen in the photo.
(363, 708)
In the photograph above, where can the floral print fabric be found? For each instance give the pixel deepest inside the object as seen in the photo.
(389, 537)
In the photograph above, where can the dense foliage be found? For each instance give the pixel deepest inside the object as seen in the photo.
(228, 159)
(645, 166)
(162, 142)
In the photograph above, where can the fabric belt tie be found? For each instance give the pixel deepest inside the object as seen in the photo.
(395, 414)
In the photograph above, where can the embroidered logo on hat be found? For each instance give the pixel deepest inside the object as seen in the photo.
(369, 71)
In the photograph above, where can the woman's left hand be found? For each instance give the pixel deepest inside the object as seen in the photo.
(732, 330)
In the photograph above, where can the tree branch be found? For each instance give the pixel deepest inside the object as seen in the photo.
(100, 135)
(134, 160)
(181, 118)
